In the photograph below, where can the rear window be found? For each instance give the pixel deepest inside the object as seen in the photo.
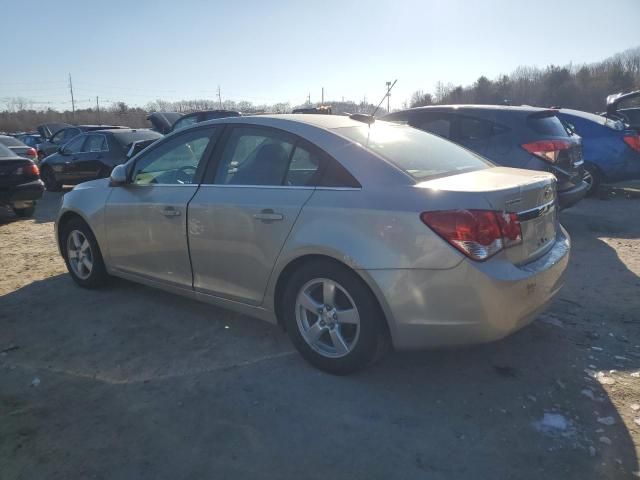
(550, 126)
(5, 152)
(127, 138)
(420, 154)
(11, 142)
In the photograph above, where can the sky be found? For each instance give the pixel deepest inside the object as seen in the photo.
(282, 51)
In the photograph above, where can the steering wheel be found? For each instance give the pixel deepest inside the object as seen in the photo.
(185, 174)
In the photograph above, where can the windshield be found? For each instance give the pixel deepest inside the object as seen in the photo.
(420, 154)
(128, 137)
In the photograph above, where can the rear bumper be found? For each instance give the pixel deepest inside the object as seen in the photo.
(569, 197)
(24, 192)
(470, 303)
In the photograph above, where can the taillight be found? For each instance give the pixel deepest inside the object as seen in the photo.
(28, 170)
(633, 141)
(548, 150)
(32, 153)
(479, 234)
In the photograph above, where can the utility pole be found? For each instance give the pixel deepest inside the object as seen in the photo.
(322, 95)
(73, 104)
(219, 98)
(309, 99)
(388, 95)
(98, 109)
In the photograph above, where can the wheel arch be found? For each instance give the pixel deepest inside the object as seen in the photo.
(62, 222)
(294, 264)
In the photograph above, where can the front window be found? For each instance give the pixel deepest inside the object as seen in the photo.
(175, 162)
(418, 153)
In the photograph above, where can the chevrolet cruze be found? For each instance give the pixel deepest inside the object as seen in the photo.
(351, 234)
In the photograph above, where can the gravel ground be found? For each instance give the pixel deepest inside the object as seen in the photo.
(130, 382)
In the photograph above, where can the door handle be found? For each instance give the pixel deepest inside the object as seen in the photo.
(268, 215)
(170, 212)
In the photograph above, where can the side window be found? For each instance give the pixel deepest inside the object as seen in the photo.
(174, 162)
(96, 143)
(303, 167)
(470, 129)
(255, 156)
(438, 125)
(75, 146)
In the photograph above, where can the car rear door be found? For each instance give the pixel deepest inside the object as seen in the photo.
(147, 218)
(242, 214)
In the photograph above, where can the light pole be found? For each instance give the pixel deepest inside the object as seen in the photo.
(388, 95)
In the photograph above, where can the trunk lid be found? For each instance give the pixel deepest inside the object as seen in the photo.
(8, 176)
(528, 193)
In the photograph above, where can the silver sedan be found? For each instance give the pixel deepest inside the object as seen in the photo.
(353, 236)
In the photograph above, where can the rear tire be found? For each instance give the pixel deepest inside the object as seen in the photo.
(49, 179)
(82, 255)
(340, 332)
(25, 212)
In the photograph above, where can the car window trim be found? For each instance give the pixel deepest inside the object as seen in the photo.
(214, 161)
(202, 165)
(89, 135)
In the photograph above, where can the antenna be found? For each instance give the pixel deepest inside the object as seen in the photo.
(389, 87)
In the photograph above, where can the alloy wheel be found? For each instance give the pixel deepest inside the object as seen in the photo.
(79, 254)
(327, 318)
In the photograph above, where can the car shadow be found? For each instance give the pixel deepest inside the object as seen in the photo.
(132, 370)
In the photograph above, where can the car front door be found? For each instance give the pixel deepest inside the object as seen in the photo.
(240, 219)
(89, 164)
(147, 217)
(70, 154)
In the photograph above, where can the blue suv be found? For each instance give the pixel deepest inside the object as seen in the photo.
(520, 137)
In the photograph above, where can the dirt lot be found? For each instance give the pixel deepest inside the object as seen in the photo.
(130, 382)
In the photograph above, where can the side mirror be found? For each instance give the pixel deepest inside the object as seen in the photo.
(118, 176)
(62, 151)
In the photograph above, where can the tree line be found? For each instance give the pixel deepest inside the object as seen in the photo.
(581, 87)
(19, 116)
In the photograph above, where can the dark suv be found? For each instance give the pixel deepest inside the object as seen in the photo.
(520, 137)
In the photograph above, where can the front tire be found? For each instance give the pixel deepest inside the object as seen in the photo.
(49, 179)
(82, 255)
(333, 319)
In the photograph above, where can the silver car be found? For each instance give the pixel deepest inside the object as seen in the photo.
(352, 236)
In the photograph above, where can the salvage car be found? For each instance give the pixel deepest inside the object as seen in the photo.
(611, 149)
(162, 122)
(522, 137)
(20, 184)
(629, 115)
(349, 234)
(202, 116)
(91, 155)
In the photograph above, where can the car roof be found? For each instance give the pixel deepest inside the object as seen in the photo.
(511, 108)
(327, 122)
